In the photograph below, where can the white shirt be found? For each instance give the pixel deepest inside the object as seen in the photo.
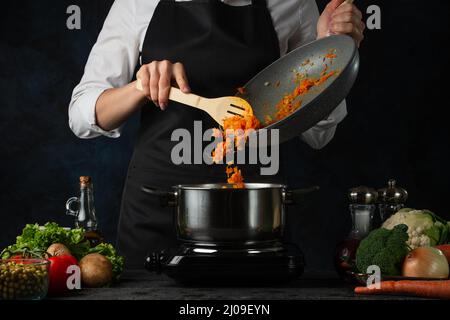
(113, 59)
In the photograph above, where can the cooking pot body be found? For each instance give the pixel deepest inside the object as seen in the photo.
(214, 216)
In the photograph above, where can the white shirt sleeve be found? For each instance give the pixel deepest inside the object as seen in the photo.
(323, 132)
(111, 64)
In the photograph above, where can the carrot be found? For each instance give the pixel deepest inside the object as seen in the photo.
(445, 248)
(242, 90)
(426, 289)
(235, 177)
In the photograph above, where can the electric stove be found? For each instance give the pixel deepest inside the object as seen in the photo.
(271, 263)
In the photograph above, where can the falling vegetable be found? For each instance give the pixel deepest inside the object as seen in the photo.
(285, 107)
(235, 177)
(242, 90)
(240, 127)
(427, 289)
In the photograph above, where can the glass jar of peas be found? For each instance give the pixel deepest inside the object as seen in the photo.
(23, 279)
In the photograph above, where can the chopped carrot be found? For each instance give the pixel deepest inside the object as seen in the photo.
(242, 90)
(235, 177)
(289, 103)
(240, 127)
(324, 71)
(307, 61)
(331, 54)
(268, 120)
(426, 289)
(248, 121)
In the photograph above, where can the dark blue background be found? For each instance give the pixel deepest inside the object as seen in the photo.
(396, 127)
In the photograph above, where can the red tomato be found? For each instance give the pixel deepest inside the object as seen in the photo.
(16, 257)
(20, 259)
(58, 274)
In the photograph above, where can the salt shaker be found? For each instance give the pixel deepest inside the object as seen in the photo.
(362, 207)
(362, 210)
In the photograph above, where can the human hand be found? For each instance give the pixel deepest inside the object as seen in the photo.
(155, 78)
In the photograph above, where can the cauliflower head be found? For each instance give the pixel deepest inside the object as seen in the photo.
(424, 227)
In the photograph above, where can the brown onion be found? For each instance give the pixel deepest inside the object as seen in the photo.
(58, 249)
(426, 262)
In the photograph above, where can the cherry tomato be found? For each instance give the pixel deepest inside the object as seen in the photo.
(18, 258)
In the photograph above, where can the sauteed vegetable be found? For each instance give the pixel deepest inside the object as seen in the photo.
(287, 105)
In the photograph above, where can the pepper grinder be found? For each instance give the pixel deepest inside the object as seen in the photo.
(391, 200)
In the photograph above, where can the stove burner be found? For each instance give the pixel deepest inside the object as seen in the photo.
(218, 265)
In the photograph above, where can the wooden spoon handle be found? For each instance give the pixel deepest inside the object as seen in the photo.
(189, 99)
(177, 95)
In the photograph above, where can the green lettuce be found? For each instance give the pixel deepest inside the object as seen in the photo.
(36, 239)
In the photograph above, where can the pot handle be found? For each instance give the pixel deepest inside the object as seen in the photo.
(167, 198)
(297, 195)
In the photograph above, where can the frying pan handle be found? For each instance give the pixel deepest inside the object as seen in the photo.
(297, 195)
(167, 198)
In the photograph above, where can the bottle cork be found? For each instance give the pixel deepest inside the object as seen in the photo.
(85, 181)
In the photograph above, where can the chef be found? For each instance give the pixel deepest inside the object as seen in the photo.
(208, 47)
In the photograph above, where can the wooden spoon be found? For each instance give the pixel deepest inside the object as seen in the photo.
(218, 108)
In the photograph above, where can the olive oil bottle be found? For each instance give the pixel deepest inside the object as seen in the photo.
(84, 212)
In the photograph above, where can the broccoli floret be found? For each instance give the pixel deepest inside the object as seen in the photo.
(384, 248)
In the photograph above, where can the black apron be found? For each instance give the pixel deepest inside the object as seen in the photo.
(221, 48)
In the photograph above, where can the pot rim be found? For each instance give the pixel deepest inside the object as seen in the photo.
(230, 187)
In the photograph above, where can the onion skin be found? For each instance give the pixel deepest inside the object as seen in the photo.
(58, 249)
(96, 270)
(426, 262)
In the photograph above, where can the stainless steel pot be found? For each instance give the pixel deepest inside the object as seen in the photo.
(219, 215)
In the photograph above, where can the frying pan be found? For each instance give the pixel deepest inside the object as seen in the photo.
(266, 89)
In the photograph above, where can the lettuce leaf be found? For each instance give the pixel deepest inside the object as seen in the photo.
(38, 238)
